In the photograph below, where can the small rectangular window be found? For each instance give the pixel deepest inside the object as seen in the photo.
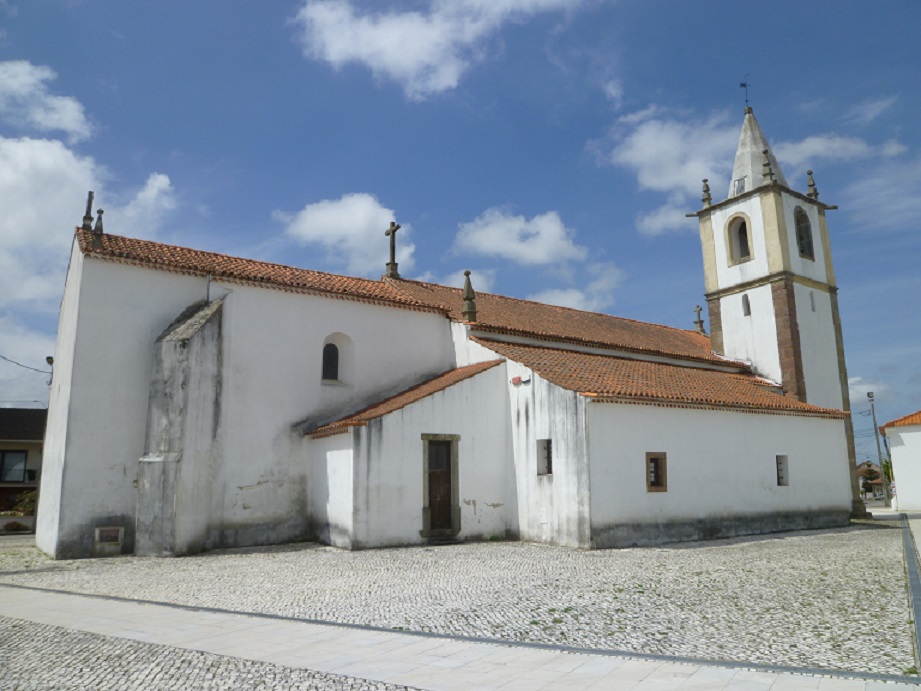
(544, 456)
(783, 477)
(656, 472)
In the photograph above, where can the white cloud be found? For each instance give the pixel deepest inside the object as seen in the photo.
(351, 230)
(23, 388)
(425, 52)
(885, 196)
(543, 239)
(596, 296)
(668, 217)
(669, 155)
(614, 91)
(830, 147)
(26, 102)
(481, 279)
(866, 112)
(858, 387)
(144, 213)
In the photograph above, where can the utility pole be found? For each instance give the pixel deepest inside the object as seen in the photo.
(887, 498)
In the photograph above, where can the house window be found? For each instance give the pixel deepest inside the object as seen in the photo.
(812, 300)
(13, 466)
(544, 456)
(739, 240)
(803, 234)
(746, 306)
(656, 472)
(783, 477)
(330, 362)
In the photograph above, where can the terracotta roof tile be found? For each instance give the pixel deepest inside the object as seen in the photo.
(403, 399)
(170, 257)
(496, 313)
(910, 419)
(524, 317)
(614, 378)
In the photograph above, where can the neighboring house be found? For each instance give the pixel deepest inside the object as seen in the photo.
(904, 437)
(22, 431)
(201, 400)
(869, 487)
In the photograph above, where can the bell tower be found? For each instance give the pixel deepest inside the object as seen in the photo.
(770, 281)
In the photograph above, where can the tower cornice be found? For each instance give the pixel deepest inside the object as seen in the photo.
(776, 277)
(770, 187)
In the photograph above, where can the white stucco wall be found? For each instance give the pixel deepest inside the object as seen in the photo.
(752, 338)
(757, 266)
(905, 447)
(814, 269)
(271, 379)
(330, 489)
(389, 464)
(720, 465)
(552, 508)
(819, 347)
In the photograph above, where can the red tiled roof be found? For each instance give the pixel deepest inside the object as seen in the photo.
(495, 313)
(403, 399)
(524, 317)
(184, 260)
(620, 379)
(910, 419)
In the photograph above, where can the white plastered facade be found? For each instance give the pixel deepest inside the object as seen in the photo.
(905, 447)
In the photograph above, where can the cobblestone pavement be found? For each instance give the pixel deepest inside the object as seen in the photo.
(34, 656)
(830, 599)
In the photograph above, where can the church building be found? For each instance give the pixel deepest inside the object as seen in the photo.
(202, 401)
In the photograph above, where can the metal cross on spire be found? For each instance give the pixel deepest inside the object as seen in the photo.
(392, 264)
(744, 85)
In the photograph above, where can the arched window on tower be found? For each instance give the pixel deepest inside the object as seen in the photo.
(746, 306)
(740, 241)
(803, 234)
(330, 362)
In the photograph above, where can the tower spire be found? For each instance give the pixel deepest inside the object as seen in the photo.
(750, 165)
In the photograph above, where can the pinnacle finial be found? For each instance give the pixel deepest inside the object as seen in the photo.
(88, 215)
(813, 192)
(706, 198)
(97, 229)
(469, 310)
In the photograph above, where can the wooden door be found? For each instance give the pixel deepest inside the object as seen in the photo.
(439, 469)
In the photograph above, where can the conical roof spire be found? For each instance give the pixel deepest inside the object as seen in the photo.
(749, 167)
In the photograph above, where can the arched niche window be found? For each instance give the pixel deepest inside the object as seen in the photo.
(331, 362)
(338, 359)
(739, 240)
(803, 234)
(746, 306)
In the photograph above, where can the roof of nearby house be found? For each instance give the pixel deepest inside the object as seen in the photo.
(402, 399)
(495, 313)
(910, 419)
(608, 378)
(22, 424)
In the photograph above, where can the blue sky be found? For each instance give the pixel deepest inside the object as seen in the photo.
(550, 146)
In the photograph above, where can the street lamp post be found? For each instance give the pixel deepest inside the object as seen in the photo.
(887, 498)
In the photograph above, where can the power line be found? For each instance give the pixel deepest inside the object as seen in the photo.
(19, 364)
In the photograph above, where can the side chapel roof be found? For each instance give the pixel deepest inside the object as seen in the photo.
(608, 378)
(905, 421)
(403, 399)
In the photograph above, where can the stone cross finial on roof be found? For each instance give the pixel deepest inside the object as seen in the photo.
(469, 310)
(699, 323)
(813, 192)
(392, 264)
(706, 198)
(88, 215)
